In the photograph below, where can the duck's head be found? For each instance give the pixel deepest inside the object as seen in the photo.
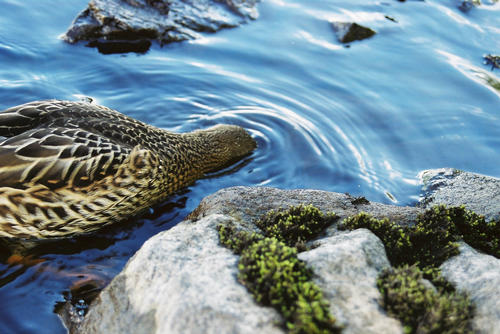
(225, 144)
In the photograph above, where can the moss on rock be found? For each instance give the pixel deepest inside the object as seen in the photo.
(271, 271)
(295, 225)
(421, 308)
(276, 277)
(417, 251)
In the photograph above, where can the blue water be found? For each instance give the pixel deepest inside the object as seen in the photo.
(363, 119)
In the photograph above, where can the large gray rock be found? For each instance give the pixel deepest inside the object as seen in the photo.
(479, 275)
(453, 187)
(184, 281)
(346, 267)
(180, 281)
(246, 204)
(116, 25)
(476, 273)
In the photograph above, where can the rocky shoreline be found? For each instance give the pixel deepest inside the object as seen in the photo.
(183, 280)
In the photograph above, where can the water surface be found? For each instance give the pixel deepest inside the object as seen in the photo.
(363, 119)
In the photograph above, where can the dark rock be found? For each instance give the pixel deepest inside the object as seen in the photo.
(116, 26)
(350, 31)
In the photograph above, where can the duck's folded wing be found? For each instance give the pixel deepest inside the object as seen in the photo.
(21, 118)
(57, 157)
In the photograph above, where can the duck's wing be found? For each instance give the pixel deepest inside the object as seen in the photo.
(57, 157)
(18, 119)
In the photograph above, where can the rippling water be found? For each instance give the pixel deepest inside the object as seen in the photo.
(363, 119)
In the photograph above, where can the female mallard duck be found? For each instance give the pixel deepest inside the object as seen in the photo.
(72, 167)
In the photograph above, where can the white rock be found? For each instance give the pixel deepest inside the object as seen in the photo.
(479, 275)
(180, 281)
(346, 267)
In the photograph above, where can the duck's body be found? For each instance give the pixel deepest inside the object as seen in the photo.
(72, 167)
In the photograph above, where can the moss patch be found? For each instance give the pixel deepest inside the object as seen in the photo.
(276, 277)
(271, 271)
(417, 252)
(421, 308)
(295, 225)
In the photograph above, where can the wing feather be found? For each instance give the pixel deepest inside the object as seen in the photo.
(57, 157)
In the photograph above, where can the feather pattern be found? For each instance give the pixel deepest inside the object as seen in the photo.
(72, 167)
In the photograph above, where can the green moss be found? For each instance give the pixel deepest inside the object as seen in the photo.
(394, 237)
(276, 277)
(419, 307)
(237, 240)
(429, 243)
(475, 231)
(271, 271)
(295, 225)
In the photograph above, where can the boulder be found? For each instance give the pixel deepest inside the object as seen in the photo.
(184, 281)
(479, 193)
(479, 275)
(131, 25)
(346, 267)
(180, 281)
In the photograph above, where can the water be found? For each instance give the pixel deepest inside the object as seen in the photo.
(363, 119)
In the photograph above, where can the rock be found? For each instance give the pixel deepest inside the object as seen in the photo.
(479, 275)
(453, 187)
(180, 281)
(131, 25)
(348, 32)
(346, 267)
(247, 204)
(184, 281)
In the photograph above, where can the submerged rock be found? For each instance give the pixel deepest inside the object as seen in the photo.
(492, 60)
(350, 31)
(130, 25)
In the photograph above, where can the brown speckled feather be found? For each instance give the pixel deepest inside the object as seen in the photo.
(73, 167)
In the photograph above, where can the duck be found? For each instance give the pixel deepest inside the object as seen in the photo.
(69, 168)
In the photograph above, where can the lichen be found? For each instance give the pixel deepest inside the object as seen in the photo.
(271, 271)
(421, 308)
(295, 225)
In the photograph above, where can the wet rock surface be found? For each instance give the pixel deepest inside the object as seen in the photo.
(116, 26)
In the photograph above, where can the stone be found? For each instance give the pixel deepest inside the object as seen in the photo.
(346, 267)
(479, 275)
(184, 280)
(479, 193)
(180, 281)
(348, 32)
(247, 204)
(116, 26)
